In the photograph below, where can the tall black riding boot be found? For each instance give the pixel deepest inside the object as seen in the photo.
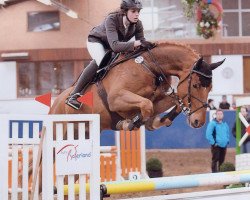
(85, 78)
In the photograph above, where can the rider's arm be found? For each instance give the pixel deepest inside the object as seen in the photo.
(112, 35)
(139, 34)
(139, 31)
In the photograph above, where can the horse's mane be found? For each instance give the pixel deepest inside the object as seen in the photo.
(178, 44)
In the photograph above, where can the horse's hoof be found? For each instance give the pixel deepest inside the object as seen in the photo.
(119, 125)
(149, 123)
(126, 125)
(149, 128)
(169, 123)
(123, 125)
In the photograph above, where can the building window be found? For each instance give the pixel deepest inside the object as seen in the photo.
(164, 19)
(236, 18)
(43, 21)
(36, 78)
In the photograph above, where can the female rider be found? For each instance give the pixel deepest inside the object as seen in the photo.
(114, 33)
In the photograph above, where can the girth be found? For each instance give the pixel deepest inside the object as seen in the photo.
(115, 117)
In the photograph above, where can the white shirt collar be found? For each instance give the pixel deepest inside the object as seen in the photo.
(124, 22)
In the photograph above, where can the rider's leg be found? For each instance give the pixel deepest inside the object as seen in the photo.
(96, 51)
(82, 83)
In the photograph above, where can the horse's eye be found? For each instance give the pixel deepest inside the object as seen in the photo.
(196, 85)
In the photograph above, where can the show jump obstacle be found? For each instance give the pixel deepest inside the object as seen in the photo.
(242, 159)
(126, 158)
(120, 162)
(77, 154)
(174, 182)
(243, 101)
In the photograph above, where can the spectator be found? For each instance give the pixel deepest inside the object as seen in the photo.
(233, 106)
(211, 105)
(224, 104)
(217, 134)
(245, 148)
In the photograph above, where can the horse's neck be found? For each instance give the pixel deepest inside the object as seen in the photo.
(175, 60)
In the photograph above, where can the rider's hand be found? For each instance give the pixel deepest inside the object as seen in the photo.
(147, 44)
(137, 43)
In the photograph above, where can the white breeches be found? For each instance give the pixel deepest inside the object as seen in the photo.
(96, 51)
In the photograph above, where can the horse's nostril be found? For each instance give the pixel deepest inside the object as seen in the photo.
(196, 122)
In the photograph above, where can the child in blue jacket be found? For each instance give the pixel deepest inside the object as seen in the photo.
(217, 134)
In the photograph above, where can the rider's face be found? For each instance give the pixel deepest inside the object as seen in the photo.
(133, 15)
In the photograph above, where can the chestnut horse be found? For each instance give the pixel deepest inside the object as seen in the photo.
(138, 90)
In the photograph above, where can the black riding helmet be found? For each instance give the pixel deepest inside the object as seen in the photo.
(131, 4)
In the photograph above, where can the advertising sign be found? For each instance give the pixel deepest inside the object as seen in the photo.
(73, 157)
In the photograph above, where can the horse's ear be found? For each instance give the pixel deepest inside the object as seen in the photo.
(217, 64)
(198, 63)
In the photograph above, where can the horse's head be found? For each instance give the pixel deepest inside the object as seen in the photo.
(193, 91)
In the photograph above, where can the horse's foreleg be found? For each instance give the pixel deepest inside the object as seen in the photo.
(126, 101)
(158, 121)
(160, 106)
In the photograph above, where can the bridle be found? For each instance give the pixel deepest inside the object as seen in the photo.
(189, 96)
(161, 78)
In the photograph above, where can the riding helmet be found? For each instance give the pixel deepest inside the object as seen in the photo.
(131, 4)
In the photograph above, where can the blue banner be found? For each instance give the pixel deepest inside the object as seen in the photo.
(178, 136)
